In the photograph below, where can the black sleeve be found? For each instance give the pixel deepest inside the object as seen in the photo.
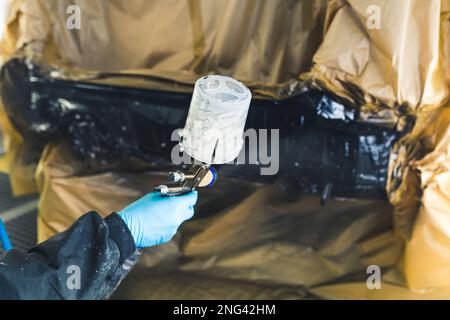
(87, 261)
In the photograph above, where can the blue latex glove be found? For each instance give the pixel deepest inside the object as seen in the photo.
(154, 219)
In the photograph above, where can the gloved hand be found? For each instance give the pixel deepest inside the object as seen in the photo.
(154, 219)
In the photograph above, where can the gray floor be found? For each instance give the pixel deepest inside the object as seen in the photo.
(19, 215)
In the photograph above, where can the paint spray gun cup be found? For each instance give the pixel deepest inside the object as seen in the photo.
(213, 133)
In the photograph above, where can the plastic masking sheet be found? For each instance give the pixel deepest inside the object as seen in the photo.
(254, 41)
(427, 257)
(246, 241)
(398, 72)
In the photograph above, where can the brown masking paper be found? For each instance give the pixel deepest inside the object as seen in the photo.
(397, 74)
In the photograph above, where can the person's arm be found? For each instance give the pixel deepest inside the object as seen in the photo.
(89, 260)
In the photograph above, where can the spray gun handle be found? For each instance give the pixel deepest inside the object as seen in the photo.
(181, 183)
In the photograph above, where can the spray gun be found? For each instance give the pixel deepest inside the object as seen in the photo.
(202, 175)
(213, 133)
